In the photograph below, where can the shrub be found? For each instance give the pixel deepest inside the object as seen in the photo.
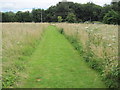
(111, 17)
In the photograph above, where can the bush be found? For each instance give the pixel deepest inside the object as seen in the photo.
(111, 17)
(71, 18)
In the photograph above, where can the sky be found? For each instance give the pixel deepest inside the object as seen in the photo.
(28, 5)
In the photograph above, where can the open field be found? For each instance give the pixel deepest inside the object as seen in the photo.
(99, 43)
(35, 55)
(55, 64)
(19, 41)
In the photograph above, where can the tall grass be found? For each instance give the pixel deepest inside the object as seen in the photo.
(0, 55)
(19, 41)
(99, 44)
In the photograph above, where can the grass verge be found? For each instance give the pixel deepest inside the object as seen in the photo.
(110, 79)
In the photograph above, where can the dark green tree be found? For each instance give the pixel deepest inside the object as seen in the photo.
(71, 18)
(27, 16)
(8, 17)
(19, 16)
(111, 17)
(36, 15)
(69, 11)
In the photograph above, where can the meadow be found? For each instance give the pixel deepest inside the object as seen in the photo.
(0, 56)
(19, 40)
(98, 43)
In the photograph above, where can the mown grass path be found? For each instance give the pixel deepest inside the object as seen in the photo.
(56, 64)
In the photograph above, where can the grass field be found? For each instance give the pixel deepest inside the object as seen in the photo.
(55, 64)
(99, 43)
(19, 41)
(38, 56)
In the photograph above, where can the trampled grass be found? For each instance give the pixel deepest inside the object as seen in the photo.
(99, 45)
(19, 41)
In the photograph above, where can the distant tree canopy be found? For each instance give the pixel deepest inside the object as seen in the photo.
(71, 18)
(68, 12)
(111, 17)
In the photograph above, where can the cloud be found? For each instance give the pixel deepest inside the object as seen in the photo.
(7, 6)
(17, 5)
(115, 0)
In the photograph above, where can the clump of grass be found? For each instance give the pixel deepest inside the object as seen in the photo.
(99, 44)
(19, 42)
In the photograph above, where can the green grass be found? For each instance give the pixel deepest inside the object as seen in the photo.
(56, 64)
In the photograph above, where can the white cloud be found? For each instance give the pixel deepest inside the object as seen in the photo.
(16, 5)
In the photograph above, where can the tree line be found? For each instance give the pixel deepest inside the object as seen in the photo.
(68, 12)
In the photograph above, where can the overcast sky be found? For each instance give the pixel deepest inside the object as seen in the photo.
(23, 5)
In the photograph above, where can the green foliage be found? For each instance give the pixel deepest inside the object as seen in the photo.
(36, 15)
(8, 80)
(61, 30)
(73, 40)
(108, 71)
(111, 17)
(11, 74)
(71, 18)
(23, 16)
(82, 12)
(77, 45)
(8, 17)
(60, 19)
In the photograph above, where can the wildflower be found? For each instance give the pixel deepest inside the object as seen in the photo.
(113, 39)
(109, 45)
(53, 24)
(86, 27)
(114, 36)
(91, 30)
(104, 37)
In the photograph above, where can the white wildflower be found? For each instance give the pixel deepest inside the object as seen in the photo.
(104, 37)
(91, 30)
(109, 45)
(86, 27)
(113, 39)
(114, 36)
(53, 24)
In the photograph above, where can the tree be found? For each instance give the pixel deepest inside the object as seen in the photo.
(60, 19)
(105, 9)
(0, 16)
(111, 17)
(27, 16)
(68, 11)
(19, 16)
(51, 14)
(71, 18)
(8, 17)
(63, 8)
(36, 15)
